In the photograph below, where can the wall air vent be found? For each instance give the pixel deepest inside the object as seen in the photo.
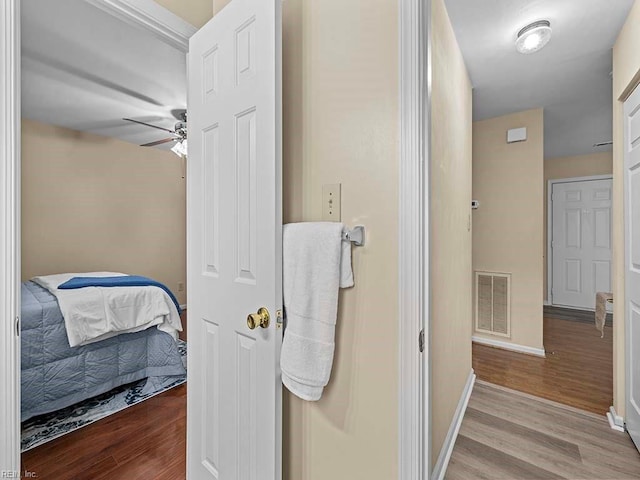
(493, 303)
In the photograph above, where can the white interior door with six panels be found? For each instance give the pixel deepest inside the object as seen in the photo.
(581, 242)
(234, 245)
(631, 310)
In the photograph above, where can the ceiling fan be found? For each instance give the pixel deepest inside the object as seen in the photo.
(179, 133)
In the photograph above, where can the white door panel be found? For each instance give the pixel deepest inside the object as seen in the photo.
(234, 244)
(632, 262)
(581, 242)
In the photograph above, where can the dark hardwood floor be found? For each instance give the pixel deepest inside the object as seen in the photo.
(578, 369)
(146, 441)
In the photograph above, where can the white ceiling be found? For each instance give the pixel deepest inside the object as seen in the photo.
(570, 77)
(84, 69)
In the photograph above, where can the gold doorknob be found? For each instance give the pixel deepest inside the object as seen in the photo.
(258, 319)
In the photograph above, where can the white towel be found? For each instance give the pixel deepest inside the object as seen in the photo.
(316, 263)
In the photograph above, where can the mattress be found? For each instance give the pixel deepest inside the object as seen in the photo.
(55, 375)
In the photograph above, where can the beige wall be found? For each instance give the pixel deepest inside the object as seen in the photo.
(341, 126)
(218, 5)
(196, 12)
(92, 203)
(450, 225)
(626, 74)
(507, 228)
(570, 167)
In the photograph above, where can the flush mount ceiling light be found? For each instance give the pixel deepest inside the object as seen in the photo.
(533, 37)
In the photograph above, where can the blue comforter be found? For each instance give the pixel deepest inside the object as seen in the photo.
(54, 375)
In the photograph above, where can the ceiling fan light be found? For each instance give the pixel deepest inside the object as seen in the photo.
(533, 37)
(180, 148)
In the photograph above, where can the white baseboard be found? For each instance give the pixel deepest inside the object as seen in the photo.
(546, 303)
(441, 465)
(514, 347)
(616, 422)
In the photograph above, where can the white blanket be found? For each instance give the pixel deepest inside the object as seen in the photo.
(92, 314)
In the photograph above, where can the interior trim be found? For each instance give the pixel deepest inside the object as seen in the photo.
(616, 422)
(147, 14)
(10, 237)
(450, 440)
(514, 347)
(414, 390)
(633, 84)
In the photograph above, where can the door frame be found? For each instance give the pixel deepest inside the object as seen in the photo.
(414, 376)
(10, 235)
(550, 184)
(414, 390)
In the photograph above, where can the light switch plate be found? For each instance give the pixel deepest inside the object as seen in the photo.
(331, 204)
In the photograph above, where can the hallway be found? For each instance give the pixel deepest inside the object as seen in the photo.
(511, 435)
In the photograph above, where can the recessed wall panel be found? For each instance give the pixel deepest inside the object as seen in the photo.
(602, 194)
(245, 51)
(211, 187)
(246, 201)
(634, 129)
(573, 275)
(602, 276)
(634, 198)
(210, 453)
(573, 195)
(634, 358)
(247, 407)
(602, 227)
(573, 227)
(210, 73)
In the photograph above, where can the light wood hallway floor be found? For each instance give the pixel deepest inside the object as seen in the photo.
(511, 435)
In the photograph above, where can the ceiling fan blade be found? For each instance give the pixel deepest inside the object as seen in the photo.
(159, 142)
(149, 125)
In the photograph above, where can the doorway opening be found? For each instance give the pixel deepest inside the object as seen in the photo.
(542, 129)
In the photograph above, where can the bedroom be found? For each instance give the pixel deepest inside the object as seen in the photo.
(93, 200)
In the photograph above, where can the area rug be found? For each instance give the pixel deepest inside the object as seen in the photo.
(44, 428)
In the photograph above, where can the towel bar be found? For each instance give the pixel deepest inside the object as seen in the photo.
(355, 236)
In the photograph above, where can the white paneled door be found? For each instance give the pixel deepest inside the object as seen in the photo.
(632, 262)
(580, 242)
(234, 247)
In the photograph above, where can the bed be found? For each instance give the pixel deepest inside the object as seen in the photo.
(55, 375)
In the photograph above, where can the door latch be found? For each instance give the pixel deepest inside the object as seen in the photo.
(421, 341)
